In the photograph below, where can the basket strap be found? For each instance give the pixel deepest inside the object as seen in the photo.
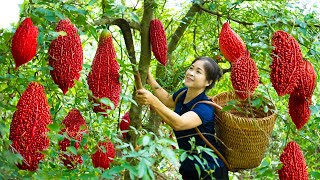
(206, 140)
(199, 132)
(178, 96)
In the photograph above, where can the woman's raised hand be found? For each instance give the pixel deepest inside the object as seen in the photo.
(145, 97)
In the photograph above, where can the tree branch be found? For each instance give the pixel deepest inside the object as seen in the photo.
(145, 39)
(185, 22)
(112, 21)
(247, 23)
(127, 35)
(221, 15)
(144, 63)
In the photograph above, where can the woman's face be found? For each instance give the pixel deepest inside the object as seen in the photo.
(196, 76)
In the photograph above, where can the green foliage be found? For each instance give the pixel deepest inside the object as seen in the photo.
(153, 156)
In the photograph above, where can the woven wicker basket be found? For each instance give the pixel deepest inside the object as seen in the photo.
(244, 139)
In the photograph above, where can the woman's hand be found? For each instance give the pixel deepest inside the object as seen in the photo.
(145, 97)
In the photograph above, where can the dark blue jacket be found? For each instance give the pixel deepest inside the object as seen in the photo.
(207, 116)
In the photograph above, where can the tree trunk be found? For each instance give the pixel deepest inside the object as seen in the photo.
(144, 64)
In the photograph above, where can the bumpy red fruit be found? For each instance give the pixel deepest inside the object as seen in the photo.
(66, 56)
(287, 63)
(103, 80)
(24, 42)
(299, 110)
(230, 43)
(294, 165)
(75, 127)
(244, 76)
(158, 41)
(124, 124)
(307, 82)
(29, 126)
(104, 155)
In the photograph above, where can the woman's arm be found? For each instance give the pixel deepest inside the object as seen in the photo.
(159, 92)
(186, 121)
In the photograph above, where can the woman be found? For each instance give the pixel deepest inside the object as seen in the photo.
(200, 77)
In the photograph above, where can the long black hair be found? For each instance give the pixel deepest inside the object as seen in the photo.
(212, 70)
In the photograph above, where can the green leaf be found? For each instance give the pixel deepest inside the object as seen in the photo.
(114, 170)
(301, 23)
(266, 162)
(62, 33)
(87, 66)
(103, 149)
(261, 11)
(133, 171)
(144, 140)
(107, 102)
(129, 98)
(8, 107)
(170, 155)
(45, 12)
(227, 108)
(197, 158)
(191, 158)
(183, 156)
(151, 174)
(72, 149)
(60, 137)
(259, 24)
(257, 102)
(59, 14)
(135, 17)
(315, 109)
(198, 169)
(142, 168)
(55, 127)
(51, 18)
(315, 174)
(54, 35)
(92, 2)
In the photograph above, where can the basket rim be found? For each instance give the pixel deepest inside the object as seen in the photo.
(272, 111)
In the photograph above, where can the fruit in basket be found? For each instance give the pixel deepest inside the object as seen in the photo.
(244, 76)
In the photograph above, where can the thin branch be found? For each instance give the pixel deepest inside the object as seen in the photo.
(159, 174)
(184, 23)
(145, 56)
(194, 38)
(248, 23)
(222, 15)
(113, 21)
(127, 35)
